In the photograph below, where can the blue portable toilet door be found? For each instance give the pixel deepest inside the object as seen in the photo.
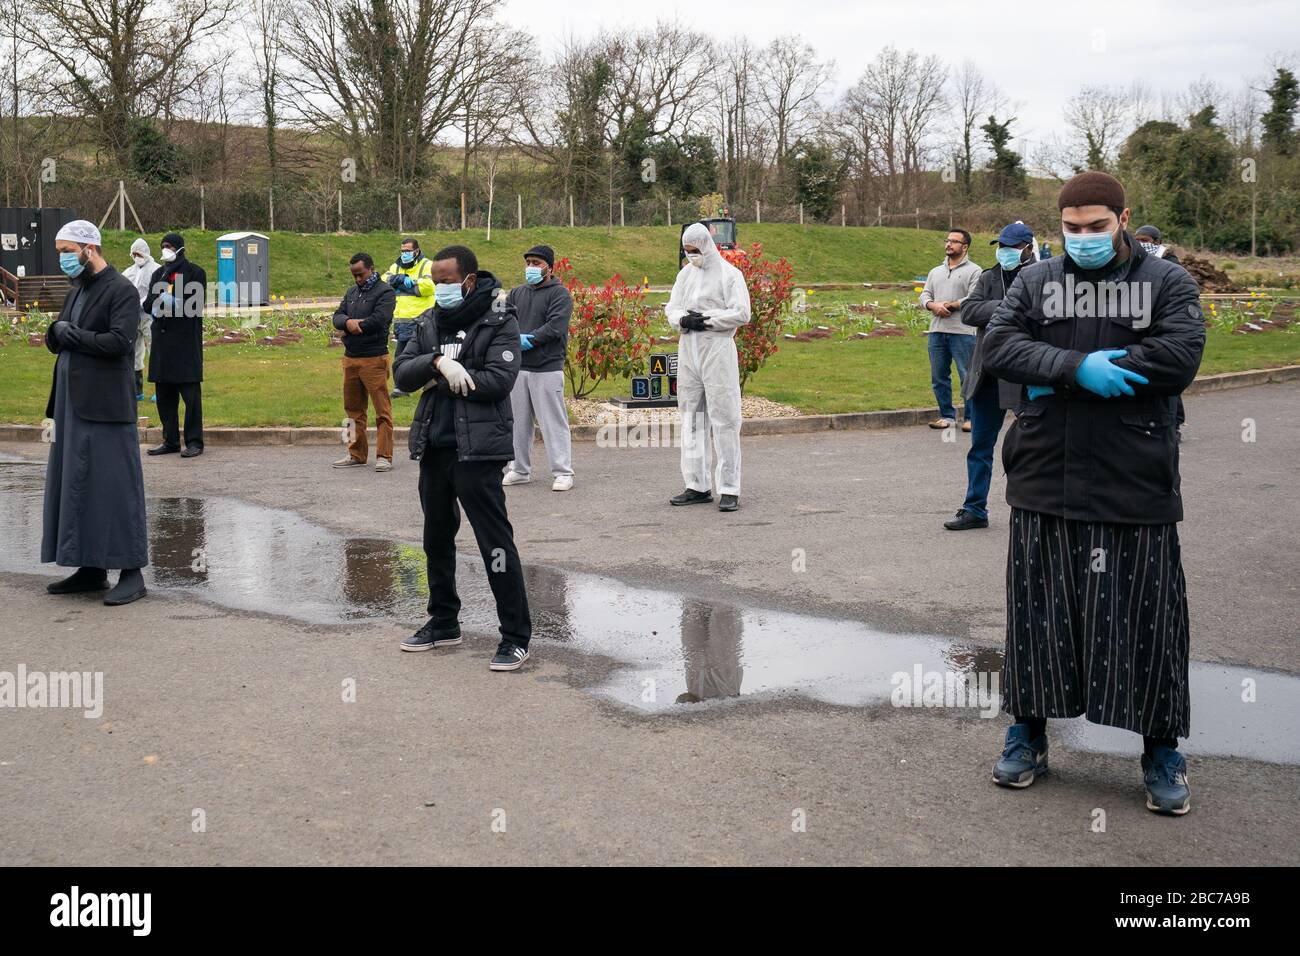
(226, 285)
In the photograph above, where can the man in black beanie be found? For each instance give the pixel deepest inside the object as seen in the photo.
(1103, 337)
(177, 293)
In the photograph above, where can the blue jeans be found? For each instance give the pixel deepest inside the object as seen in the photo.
(986, 417)
(946, 348)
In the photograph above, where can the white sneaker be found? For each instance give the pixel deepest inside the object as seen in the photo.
(383, 464)
(562, 483)
(514, 478)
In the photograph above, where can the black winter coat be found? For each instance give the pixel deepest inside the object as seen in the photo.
(1073, 453)
(374, 310)
(490, 353)
(176, 354)
(101, 366)
(976, 311)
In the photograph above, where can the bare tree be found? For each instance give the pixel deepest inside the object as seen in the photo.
(265, 40)
(384, 78)
(1098, 119)
(657, 82)
(122, 61)
(737, 121)
(790, 82)
(905, 93)
(973, 97)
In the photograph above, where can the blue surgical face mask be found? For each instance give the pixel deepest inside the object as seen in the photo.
(532, 274)
(448, 294)
(1008, 257)
(71, 264)
(406, 258)
(1090, 250)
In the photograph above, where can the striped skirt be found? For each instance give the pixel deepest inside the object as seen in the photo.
(1097, 624)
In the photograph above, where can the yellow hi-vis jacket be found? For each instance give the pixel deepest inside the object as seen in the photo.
(411, 305)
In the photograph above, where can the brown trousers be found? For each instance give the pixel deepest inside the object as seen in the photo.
(362, 377)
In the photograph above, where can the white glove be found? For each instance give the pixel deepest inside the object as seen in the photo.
(458, 379)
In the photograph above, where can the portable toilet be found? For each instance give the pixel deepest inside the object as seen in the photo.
(242, 269)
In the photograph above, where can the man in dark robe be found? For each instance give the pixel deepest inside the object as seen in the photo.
(94, 515)
(176, 299)
(1103, 336)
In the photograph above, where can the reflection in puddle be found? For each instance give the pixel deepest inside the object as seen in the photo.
(667, 651)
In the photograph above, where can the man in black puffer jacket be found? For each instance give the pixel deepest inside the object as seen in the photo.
(465, 355)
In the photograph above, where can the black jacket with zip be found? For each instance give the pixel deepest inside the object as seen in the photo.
(1073, 453)
(373, 308)
(490, 353)
(976, 311)
(176, 352)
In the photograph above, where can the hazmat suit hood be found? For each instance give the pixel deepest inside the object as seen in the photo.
(697, 235)
(140, 273)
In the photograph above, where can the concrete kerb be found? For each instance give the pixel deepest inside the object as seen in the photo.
(798, 424)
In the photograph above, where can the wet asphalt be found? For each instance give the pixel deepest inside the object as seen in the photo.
(704, 687)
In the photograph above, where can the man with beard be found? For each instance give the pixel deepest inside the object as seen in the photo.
(94, 515)
(1103, 336)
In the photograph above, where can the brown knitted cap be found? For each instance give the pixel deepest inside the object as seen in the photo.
(1092, 189)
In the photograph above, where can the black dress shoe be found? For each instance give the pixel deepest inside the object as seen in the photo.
(83, 579)
(964, 521)
(728, 502)
(165, 449)
(129, 587)
(192, 451)
(691, 497)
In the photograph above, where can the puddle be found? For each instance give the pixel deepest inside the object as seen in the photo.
(650, 651)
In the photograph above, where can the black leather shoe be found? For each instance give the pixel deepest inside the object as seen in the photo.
(964, 521)
(83, 579)
(129, 587)
(728, 503)
(192, 451)
(691, 497)
(164, 449)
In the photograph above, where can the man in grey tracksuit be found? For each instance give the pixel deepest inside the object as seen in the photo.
(544, 306)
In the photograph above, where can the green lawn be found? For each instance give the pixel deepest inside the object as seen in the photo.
(299, 384)
(316, 265)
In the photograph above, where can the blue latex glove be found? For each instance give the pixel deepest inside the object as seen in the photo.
(164, 304)
(1099, 374)
(1038, 391)
(408, 283)
(525, 341)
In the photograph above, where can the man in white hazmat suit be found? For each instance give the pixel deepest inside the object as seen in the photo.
(139, 272)
(708, 303)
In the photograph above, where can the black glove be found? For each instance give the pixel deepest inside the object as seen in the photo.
(59, 331)
(397, 280)
(693, 322)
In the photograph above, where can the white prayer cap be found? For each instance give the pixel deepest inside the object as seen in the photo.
(80, 231)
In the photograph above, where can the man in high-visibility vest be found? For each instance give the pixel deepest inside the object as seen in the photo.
(412, 279)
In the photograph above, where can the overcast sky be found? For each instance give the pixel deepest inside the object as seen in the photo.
(1039, 57)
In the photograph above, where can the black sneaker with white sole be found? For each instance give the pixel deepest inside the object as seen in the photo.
(431, 636)
(509, 657)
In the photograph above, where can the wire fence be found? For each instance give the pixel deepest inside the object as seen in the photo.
(154, 208)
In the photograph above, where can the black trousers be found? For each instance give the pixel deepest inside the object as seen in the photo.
(447, 485)
(169, 396)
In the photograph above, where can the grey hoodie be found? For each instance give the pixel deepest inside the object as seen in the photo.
(544, 311)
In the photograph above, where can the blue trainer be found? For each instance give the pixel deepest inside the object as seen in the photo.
(1022, 760)
(1164, 774)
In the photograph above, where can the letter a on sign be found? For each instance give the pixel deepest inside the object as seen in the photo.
(659, 365)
